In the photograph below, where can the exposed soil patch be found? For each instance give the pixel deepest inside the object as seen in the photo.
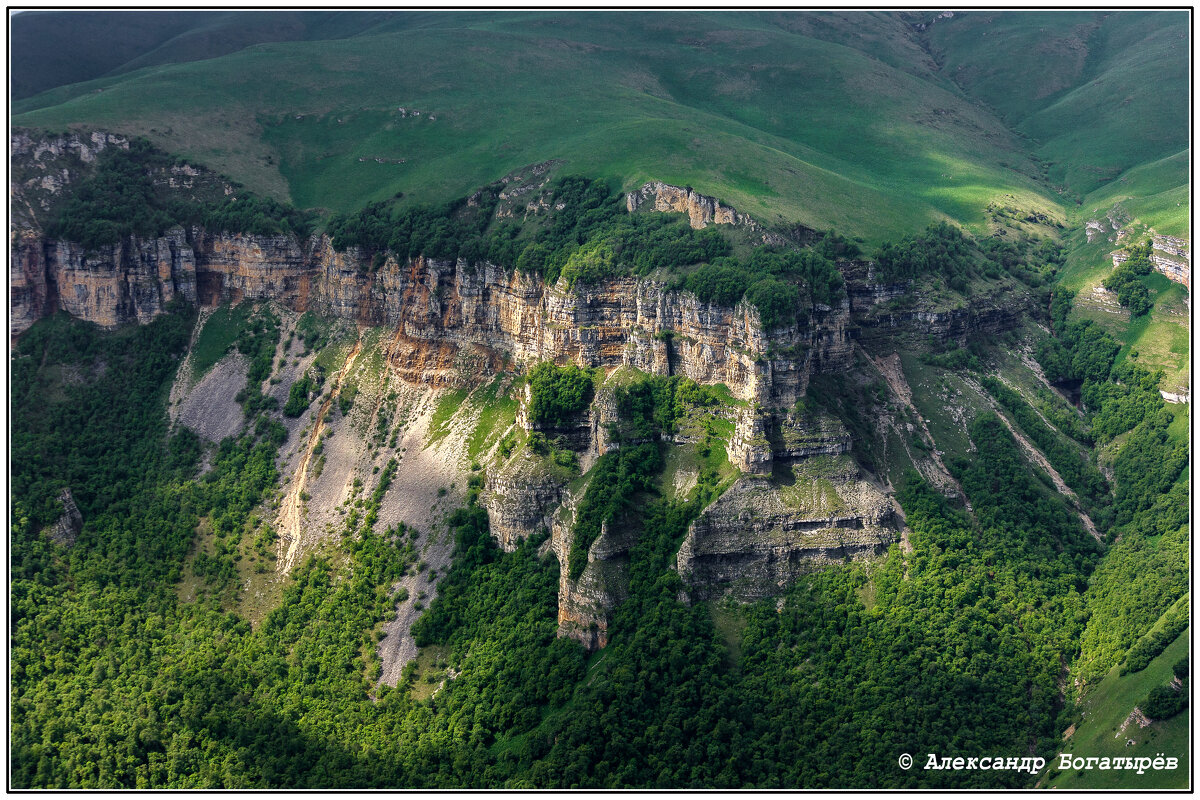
(398, 647)
(893, 372)
(292, 510)
(416, 497)
(209, 407)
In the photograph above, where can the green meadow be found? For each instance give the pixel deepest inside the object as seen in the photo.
(858, 134)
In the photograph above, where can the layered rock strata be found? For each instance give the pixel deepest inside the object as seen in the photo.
(436, 307)
(897, 310)
(764, 531)
(521, 499)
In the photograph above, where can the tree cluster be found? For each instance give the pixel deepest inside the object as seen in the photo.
(557, 394)
(126, 195)
(1126, 280)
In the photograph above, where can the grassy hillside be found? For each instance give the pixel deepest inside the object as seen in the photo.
(52, 49)
(1102, 93)
(1105, 730)
(780, 123)
(1153, 194)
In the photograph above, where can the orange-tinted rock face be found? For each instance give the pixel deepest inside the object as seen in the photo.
(236, 266)
(440, 308)
(132, 281)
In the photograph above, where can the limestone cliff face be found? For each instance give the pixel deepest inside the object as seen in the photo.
(521, 499)
(438, 308)
(446, 306)
(131, 281)
(764, 531)
(31, 294)
(39, 168)
(231, 267)
(892, 311)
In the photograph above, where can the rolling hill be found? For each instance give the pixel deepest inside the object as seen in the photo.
(863, 122)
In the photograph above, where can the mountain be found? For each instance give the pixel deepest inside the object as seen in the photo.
(596, 399)
(842, 120)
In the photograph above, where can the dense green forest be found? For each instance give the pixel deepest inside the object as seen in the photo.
(956, 646)
(1147, 568)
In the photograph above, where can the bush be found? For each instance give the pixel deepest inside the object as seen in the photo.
(1120, 403)
(299, 396)
(1163, 703)
(775, 300)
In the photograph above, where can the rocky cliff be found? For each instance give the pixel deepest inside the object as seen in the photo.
(439, 307)
(762, 533)
(1170, 255)
(66, 528)
(800, 501)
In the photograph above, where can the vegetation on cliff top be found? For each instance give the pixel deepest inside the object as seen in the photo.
(589, 237)
(129, 192)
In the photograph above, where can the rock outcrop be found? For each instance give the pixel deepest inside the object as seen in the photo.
(584, 605)
(1169, 255)
(66, 528)
(521, 499)
(887, 312)
(749, 448)
(800, 434)
(40, 167)
(132, 281)
(702, 210)
(438, 307)
(764, 531)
